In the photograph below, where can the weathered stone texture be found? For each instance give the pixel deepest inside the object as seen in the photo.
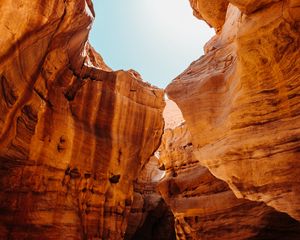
(204, 206)
(241, 103)
(73, 133)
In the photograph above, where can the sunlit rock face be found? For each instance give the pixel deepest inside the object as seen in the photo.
(241, 102)
(172, 115)
(73, 133)
(205, 207)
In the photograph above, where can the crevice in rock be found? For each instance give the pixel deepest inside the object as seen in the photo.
(78, 179)
(158, 224)
(114, 179)
(150, 217)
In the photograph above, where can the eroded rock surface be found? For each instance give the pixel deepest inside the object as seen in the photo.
(241, 102)
(150, 217)
(73, 133)
(213, 12)
(205, 207)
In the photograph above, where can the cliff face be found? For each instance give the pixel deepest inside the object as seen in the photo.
(205, 207)
(73, 133)
(241, 100)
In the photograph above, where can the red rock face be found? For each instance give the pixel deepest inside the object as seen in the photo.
(73, 133)
(241, 103)
(205, 207)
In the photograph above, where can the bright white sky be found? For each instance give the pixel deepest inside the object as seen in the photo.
(157, 38)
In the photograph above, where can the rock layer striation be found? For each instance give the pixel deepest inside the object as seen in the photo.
(73, 133)
(204, 206)
(241, 101)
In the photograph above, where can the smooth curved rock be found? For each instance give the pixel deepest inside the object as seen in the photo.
(250, 6)
(213, 11)
(204, 206)
(241, 104)
(73, 133)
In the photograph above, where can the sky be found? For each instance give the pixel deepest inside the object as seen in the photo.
(157, 38)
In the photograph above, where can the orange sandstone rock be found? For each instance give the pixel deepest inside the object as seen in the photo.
(213, 12)
(205, 207)
(73, 133)
(249, 6)
(241, 103)
(150, 217)
(172, 115)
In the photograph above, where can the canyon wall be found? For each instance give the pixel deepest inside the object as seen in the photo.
(73, 133)
(241, 99)
(204, 206)
(76, 137)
